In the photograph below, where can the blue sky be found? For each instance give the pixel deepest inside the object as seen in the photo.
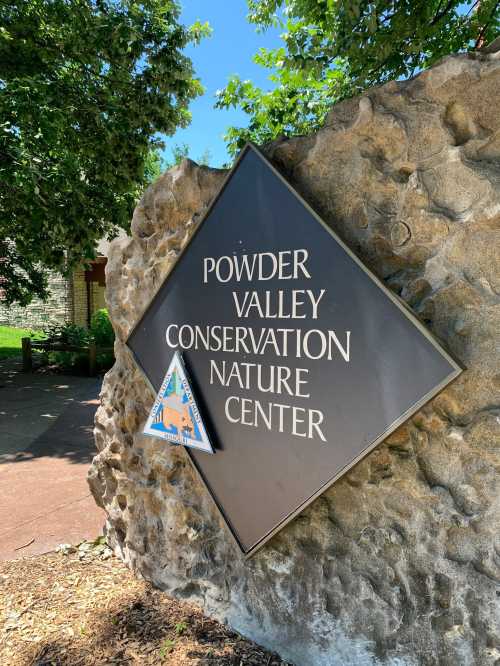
(228, 51)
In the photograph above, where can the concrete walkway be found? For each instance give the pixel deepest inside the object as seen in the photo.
(46, 446)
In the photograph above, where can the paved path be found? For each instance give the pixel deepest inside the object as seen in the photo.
(46, 446)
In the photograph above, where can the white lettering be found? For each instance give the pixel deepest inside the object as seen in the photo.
(208, 267)
(259, 266)
(167, 335)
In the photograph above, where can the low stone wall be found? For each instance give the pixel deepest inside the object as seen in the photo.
(399, 561)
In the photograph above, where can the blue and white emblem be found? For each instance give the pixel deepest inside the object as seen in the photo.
(175, 415)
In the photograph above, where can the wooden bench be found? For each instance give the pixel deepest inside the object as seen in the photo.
(53, 345)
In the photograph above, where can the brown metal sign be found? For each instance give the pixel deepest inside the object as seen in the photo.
(300, 360)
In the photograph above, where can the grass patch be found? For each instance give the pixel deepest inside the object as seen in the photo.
(10, 340)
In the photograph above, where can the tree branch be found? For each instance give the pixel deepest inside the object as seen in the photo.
(441, 13)
(480, 39)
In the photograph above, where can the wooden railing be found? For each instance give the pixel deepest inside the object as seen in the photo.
(50, 345)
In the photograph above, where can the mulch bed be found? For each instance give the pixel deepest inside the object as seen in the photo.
(86, 608)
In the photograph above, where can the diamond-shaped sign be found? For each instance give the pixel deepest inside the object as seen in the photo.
(300, 359)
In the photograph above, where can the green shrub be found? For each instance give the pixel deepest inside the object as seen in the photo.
(68, 334)
(101, 332)
(101, 329)
(77, 362)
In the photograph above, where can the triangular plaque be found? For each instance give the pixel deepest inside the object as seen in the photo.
(175, 415)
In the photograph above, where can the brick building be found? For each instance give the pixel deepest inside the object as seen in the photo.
(73, 299)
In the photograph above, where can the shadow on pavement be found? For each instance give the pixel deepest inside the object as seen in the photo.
(46, 415)
(70, 436)
(46, 445)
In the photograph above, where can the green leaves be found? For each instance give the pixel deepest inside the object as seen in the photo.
(332, 50)
(180, 628)
(199, 31)
(166, 648)
(296, 104)
(85, 88)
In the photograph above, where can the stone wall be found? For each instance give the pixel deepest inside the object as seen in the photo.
(38, 314)
(67, 302)
(399, 562)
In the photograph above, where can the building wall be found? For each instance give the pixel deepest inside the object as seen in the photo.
(79, 297)
(97, 299)
(38, 314)
(67, 302)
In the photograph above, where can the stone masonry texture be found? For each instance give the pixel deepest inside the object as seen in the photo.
(67, 303)
(398, 563)
(39, 314)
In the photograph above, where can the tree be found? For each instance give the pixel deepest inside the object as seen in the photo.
(333, 50)
(205, 157)
(85, 89)
(157, 163)
(180, 151)
(153, 166)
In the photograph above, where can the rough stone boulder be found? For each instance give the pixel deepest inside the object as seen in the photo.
(399, 562)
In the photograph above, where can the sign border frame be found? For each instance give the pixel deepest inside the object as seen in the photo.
(458, 368)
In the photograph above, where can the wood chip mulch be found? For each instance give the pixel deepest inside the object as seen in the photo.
(82, 610)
